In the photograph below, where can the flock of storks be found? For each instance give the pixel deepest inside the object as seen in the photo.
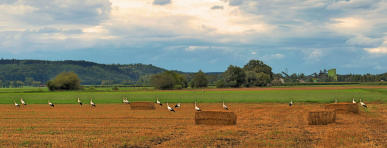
(178, 105)
(124, 100)
(353, 101)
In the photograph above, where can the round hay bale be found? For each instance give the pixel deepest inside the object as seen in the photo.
(215, 118)
(321, 117)
(142, 106)
(343, 107)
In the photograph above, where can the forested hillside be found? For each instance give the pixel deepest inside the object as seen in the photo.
(36, 72)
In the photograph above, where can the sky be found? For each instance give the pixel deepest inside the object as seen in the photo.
(298, 36)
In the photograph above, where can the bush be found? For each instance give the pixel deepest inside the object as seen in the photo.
(169, 80)
(65, 81)
(91, 89)
(199, 80)
(220, 84)
(115, 88)
(234, 76)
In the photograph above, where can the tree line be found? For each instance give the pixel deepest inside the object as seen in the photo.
(322, 76)
(19, 73)
(253, 74)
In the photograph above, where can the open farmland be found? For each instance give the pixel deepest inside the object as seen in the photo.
(115, 125)
(263, 118)
(242, 95)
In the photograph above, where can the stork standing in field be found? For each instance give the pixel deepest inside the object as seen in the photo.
(16, 104)
(125, 100)
(197, 108)
(335, 100)
(353, 101)
(23, 102)
(158, 102)
(170, 108)
(291, 103)
(224, 106)
(51, 104)
(80, 102)
(363, 104)
(92, 103)
(178, 104)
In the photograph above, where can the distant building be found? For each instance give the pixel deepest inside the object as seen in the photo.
(332, 74)
(282, 81)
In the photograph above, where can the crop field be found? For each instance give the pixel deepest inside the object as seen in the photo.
(242, 95)
(263, 118)
(115, 125)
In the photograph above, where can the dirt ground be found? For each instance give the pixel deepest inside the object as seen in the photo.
(258, 125)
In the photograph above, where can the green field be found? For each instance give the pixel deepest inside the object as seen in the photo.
(106, 96)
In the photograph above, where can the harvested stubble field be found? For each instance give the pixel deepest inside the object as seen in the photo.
(115, 125)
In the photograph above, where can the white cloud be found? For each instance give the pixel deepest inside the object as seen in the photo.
(313, 55)
(196, 48)
(202, 48)
(380, 50)
(273, 57)
(363, 40)
(350, 25)
(377, 50)
(188, 17)
(313, 28)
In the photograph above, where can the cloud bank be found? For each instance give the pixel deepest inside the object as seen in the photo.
(302, 36)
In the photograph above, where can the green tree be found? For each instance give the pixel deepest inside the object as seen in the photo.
(234, 76)
(199, 80)
(168, 80)
(11, 84)
(258, 66)
(19, 84)
(36, 83)
(257, 73)
(65, 81)
(220, 84)
(28, 81)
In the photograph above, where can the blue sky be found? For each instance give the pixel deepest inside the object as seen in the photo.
(302, 36)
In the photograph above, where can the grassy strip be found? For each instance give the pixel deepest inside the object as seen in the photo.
(269, 96)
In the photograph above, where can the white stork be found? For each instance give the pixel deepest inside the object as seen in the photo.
(92, 103)
(363, 104)
(158, 102)
(170, 108)
(353, 101)
(197, 108)
(16, 105)
(224, 106)
(22, 101)
(125, 100)
(80, 102)
(177, 105)
(51, 104)
(291, 103)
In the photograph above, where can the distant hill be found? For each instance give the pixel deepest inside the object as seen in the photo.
(34, 71)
